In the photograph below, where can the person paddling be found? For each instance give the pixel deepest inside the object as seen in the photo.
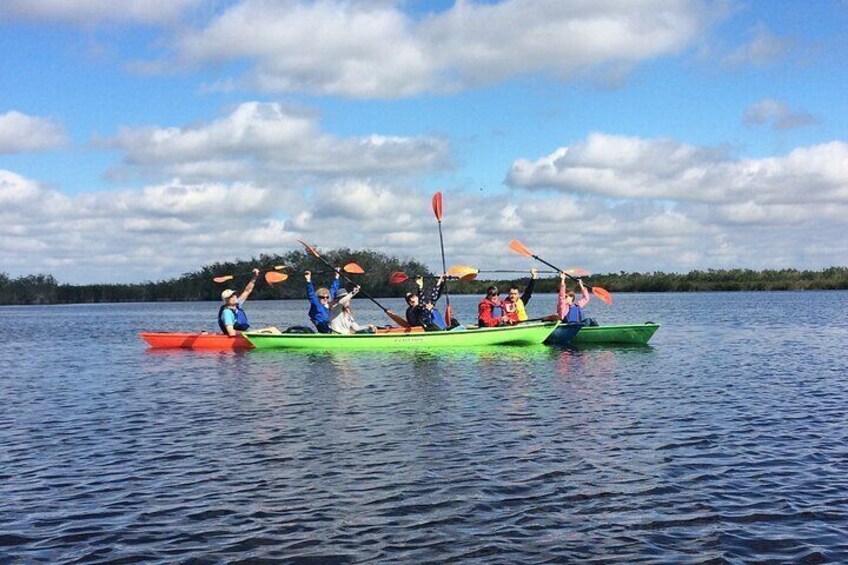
(570, 308)
(514, 305)
(421, 309)
(319, 302)
(341, 316)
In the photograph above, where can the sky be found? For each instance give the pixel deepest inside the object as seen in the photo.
(144, 139)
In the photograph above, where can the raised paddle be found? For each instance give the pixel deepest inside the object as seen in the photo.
(437, 210)
(602, 294)
(399, 277)
(465, 272)
(225, 278)
(397, 319)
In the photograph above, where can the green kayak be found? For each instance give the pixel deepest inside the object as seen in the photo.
(523, 334)
(625, 334)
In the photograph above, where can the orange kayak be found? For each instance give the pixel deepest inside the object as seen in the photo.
(205, 341)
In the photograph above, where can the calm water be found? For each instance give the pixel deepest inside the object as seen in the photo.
(724, 441)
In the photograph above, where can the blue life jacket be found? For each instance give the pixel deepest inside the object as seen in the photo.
(438, 319)
(241, 324)
(574, 315)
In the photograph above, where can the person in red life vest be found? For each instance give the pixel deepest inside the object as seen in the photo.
(489, 310)
(569, 308)
(514, 305)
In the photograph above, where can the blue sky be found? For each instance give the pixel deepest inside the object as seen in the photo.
(140, 140)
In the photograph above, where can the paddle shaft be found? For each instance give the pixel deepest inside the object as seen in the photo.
(365, 294)
(444, 270)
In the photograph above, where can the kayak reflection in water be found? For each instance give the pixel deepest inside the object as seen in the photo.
(341, 317)
(421, 310)
(231, 317)
(570, 308)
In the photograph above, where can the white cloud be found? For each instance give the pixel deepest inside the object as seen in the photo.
(375, 50)
(20, 133)
(763, 48)
(776, 114)
(92, 12)
(629, 167)
(265, 141)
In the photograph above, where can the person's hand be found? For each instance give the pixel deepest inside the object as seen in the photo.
(355, 289)
(562, 276)
(419, 280)
(338, 271)
(307, 275)
(534, 272)
(255, 272)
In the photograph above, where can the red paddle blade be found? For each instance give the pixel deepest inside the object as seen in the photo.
(448, 315)
(397, 319)
(437, 205)
(353, 269)
(398, 277)
(516, 246)
(273, 277)
(308, 248)
(602, 294)
(223, 278)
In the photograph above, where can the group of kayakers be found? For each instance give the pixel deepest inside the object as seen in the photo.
(330, 308)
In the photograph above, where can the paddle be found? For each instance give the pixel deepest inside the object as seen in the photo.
(465, 272)
(225, 278)
(399, 277)
(397, 319)
(601, 293)
(437, 210)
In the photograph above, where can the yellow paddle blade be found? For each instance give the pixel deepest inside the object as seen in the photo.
(353, 269)
(578, 272)
(460, 271)
(273, 277)
(223, 278)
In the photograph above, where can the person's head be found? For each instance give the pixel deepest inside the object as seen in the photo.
(412, 299)
(341, 293)
(323, 295)
(569, 296)
(229, 297)
(492, 292)
(512, 294)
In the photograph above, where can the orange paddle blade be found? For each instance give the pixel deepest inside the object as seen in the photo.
(308, 248)
(273, 277)
(578, 272)
(460, 271)
(223, 278)
(397, 319)
(437, 205)
(398, 277)
(353, 268)
(516, 246)
(602, 294)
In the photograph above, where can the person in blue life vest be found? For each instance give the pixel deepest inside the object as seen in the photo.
(570, 308)
(319, 302)
(231, 317)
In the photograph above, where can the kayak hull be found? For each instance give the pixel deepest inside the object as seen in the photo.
(522, 334)
(199, 341)
(563, 335)
(614, 334)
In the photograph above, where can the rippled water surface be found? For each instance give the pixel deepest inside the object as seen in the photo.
(723, 441)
